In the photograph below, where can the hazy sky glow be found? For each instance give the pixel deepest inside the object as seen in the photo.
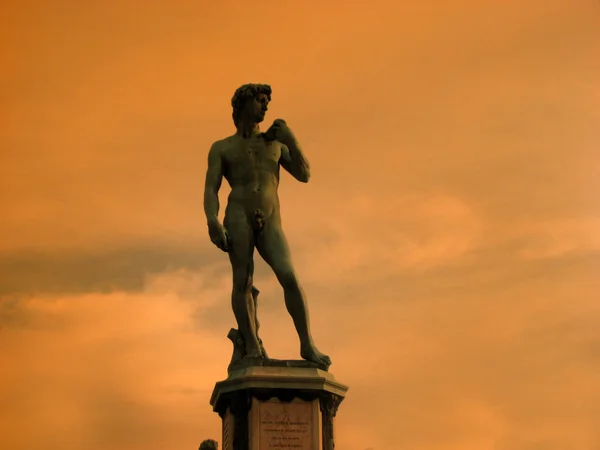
(448, 242)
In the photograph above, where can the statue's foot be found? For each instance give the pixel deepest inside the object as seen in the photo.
(252, 360)
(254, 354)
(263, 352)
(253, 349)
(311, 353)
(246, 361)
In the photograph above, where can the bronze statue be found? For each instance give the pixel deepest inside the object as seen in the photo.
(250, 161)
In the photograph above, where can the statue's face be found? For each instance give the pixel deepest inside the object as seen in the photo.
(256, 108)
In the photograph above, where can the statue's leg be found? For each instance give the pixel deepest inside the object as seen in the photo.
(242, 265)
(273, 247)
(255, 293)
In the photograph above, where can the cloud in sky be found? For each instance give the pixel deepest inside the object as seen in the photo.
(480, 366)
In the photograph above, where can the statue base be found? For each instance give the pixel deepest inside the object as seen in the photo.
(246, 362)
(265, 407)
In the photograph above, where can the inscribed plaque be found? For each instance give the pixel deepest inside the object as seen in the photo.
(287, 426)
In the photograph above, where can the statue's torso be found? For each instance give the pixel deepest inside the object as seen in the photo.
(251, 167)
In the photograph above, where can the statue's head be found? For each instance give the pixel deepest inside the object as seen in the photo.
(250, 102)
(209, 444)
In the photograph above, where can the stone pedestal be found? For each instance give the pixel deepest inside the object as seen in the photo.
(278, 408)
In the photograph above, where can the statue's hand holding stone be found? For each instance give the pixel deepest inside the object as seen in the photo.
(218, 235)
(281, 132)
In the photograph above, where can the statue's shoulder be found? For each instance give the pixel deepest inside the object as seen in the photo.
(224, 144)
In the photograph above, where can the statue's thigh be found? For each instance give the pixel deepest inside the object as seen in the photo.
(242, 242)
(273, 248)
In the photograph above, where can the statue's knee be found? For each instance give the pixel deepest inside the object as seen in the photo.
(242, 285)
(239, 292)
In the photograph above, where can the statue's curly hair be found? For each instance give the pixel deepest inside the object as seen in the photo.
(245, 93)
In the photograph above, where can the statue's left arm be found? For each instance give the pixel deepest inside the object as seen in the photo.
(294, 161)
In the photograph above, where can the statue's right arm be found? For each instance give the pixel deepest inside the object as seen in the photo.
(214, 177)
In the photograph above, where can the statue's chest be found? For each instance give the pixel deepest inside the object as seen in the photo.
(253, 154)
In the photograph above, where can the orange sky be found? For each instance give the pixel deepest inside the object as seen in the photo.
(448, 242)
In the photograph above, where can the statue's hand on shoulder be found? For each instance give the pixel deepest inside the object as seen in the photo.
(219, 236)
(281, 132)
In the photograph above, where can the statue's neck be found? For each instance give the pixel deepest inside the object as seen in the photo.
(248, 130)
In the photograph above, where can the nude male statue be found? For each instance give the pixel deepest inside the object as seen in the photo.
(250, 161)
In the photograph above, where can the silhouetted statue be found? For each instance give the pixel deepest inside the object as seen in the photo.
(250, 161)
